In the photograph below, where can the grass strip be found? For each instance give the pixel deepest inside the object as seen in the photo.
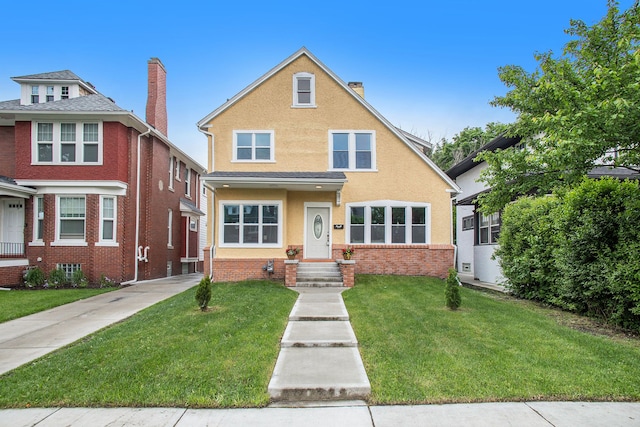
(169, 355)
(493, 348)
(19, 303)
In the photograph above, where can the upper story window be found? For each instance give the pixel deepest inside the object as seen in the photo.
(171, 161)
(388, 223)
(64, 93)
(352, 150)
(49, 93)
(253, 146)
(304, 90)
(35, 97)
(70, 142)
(187, 181)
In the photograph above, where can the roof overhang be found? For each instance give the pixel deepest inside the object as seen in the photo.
(188, 207)
(14, 190)
(291, 181)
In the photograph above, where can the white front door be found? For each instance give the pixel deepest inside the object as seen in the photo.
(318, 233)
(12, 227)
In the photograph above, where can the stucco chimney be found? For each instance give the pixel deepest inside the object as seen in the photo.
(157, 95)
(358, 88)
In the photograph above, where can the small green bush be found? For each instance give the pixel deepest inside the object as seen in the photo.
(57, 278)
(79, 280)
(34, 277)
(452, 296)
(203, 293)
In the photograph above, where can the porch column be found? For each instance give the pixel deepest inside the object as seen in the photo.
(290, 272)
(348, 270)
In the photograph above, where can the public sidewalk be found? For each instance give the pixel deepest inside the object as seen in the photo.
(28, 338)
(526, 414)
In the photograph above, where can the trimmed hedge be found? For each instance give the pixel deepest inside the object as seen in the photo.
(579, 251)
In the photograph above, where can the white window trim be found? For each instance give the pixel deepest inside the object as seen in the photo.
(171, 162)
(37, 241)
(56, 143)
(69, 242)
(114, 241)
(388, 205)
(304, 76)
(177, 176)
(187, 182)
(352, 150)
(489, 227)
(170, 229)
(260, 203)
(272, 146)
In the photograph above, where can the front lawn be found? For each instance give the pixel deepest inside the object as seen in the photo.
(493, 348)
(170, 354)
(19, 303)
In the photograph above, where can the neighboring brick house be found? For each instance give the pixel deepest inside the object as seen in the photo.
(86, 184)
(300, 159)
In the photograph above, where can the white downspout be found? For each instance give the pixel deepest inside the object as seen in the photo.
(210, 208)
(453, 226)
(135, 250)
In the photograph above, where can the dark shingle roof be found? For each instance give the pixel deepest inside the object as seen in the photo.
(468, 163)
(88, 103)
(279, 175)
(54, 75)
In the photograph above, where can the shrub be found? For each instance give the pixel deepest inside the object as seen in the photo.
(452, 296)
(528, 242)
(79, 280)
(57, 278)
(203, 293)
(34, 277)
(105, 282)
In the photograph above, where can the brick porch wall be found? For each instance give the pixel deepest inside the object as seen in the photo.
(401, 260)
(11, 276)
(237, 269)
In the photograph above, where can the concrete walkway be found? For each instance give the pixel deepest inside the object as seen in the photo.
(28, 338)
(319, 358)
(527, 414)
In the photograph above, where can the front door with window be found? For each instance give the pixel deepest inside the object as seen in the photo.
(12, 227)
(318, 233)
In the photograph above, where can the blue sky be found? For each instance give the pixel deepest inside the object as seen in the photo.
(430, 67)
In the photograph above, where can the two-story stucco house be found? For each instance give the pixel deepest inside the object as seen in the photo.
(300, 159)
(86, 184)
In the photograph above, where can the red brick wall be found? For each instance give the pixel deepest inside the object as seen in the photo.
(8, 150)
(402, 260)
(235, 270)
(11, 276)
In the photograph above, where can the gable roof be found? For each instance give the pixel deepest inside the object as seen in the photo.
(468, 163)
(304, 51)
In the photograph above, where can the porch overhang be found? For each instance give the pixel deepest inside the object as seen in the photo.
(187, 207)
(12, 189)
(291, 181)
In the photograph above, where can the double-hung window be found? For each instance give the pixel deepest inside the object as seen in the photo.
(77, 143)
(304, 90)
(489, 228)
(253, 146)
(187, 181)
(352, 150)
(35, 94)
(108, 209)
(251, 224)
(171, 161)
(388, 223)
(64, 93)
(49, 93)
(71, 218)
(38, 218)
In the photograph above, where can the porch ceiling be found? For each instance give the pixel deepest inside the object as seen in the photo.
(292, 181)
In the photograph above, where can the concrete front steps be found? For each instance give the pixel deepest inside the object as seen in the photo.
(319, 358)
(319, 275)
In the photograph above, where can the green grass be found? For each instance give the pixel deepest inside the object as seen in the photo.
(19, 303)
(493, 348)
(170, 354)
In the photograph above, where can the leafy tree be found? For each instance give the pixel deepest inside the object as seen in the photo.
(575, 111)
(448, 153)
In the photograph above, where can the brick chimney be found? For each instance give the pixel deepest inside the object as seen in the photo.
(358, 88)
(157, 95)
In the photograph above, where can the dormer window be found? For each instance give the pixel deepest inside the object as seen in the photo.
(49, 93)
(64, 92)
(304, 90)
(35, 97)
